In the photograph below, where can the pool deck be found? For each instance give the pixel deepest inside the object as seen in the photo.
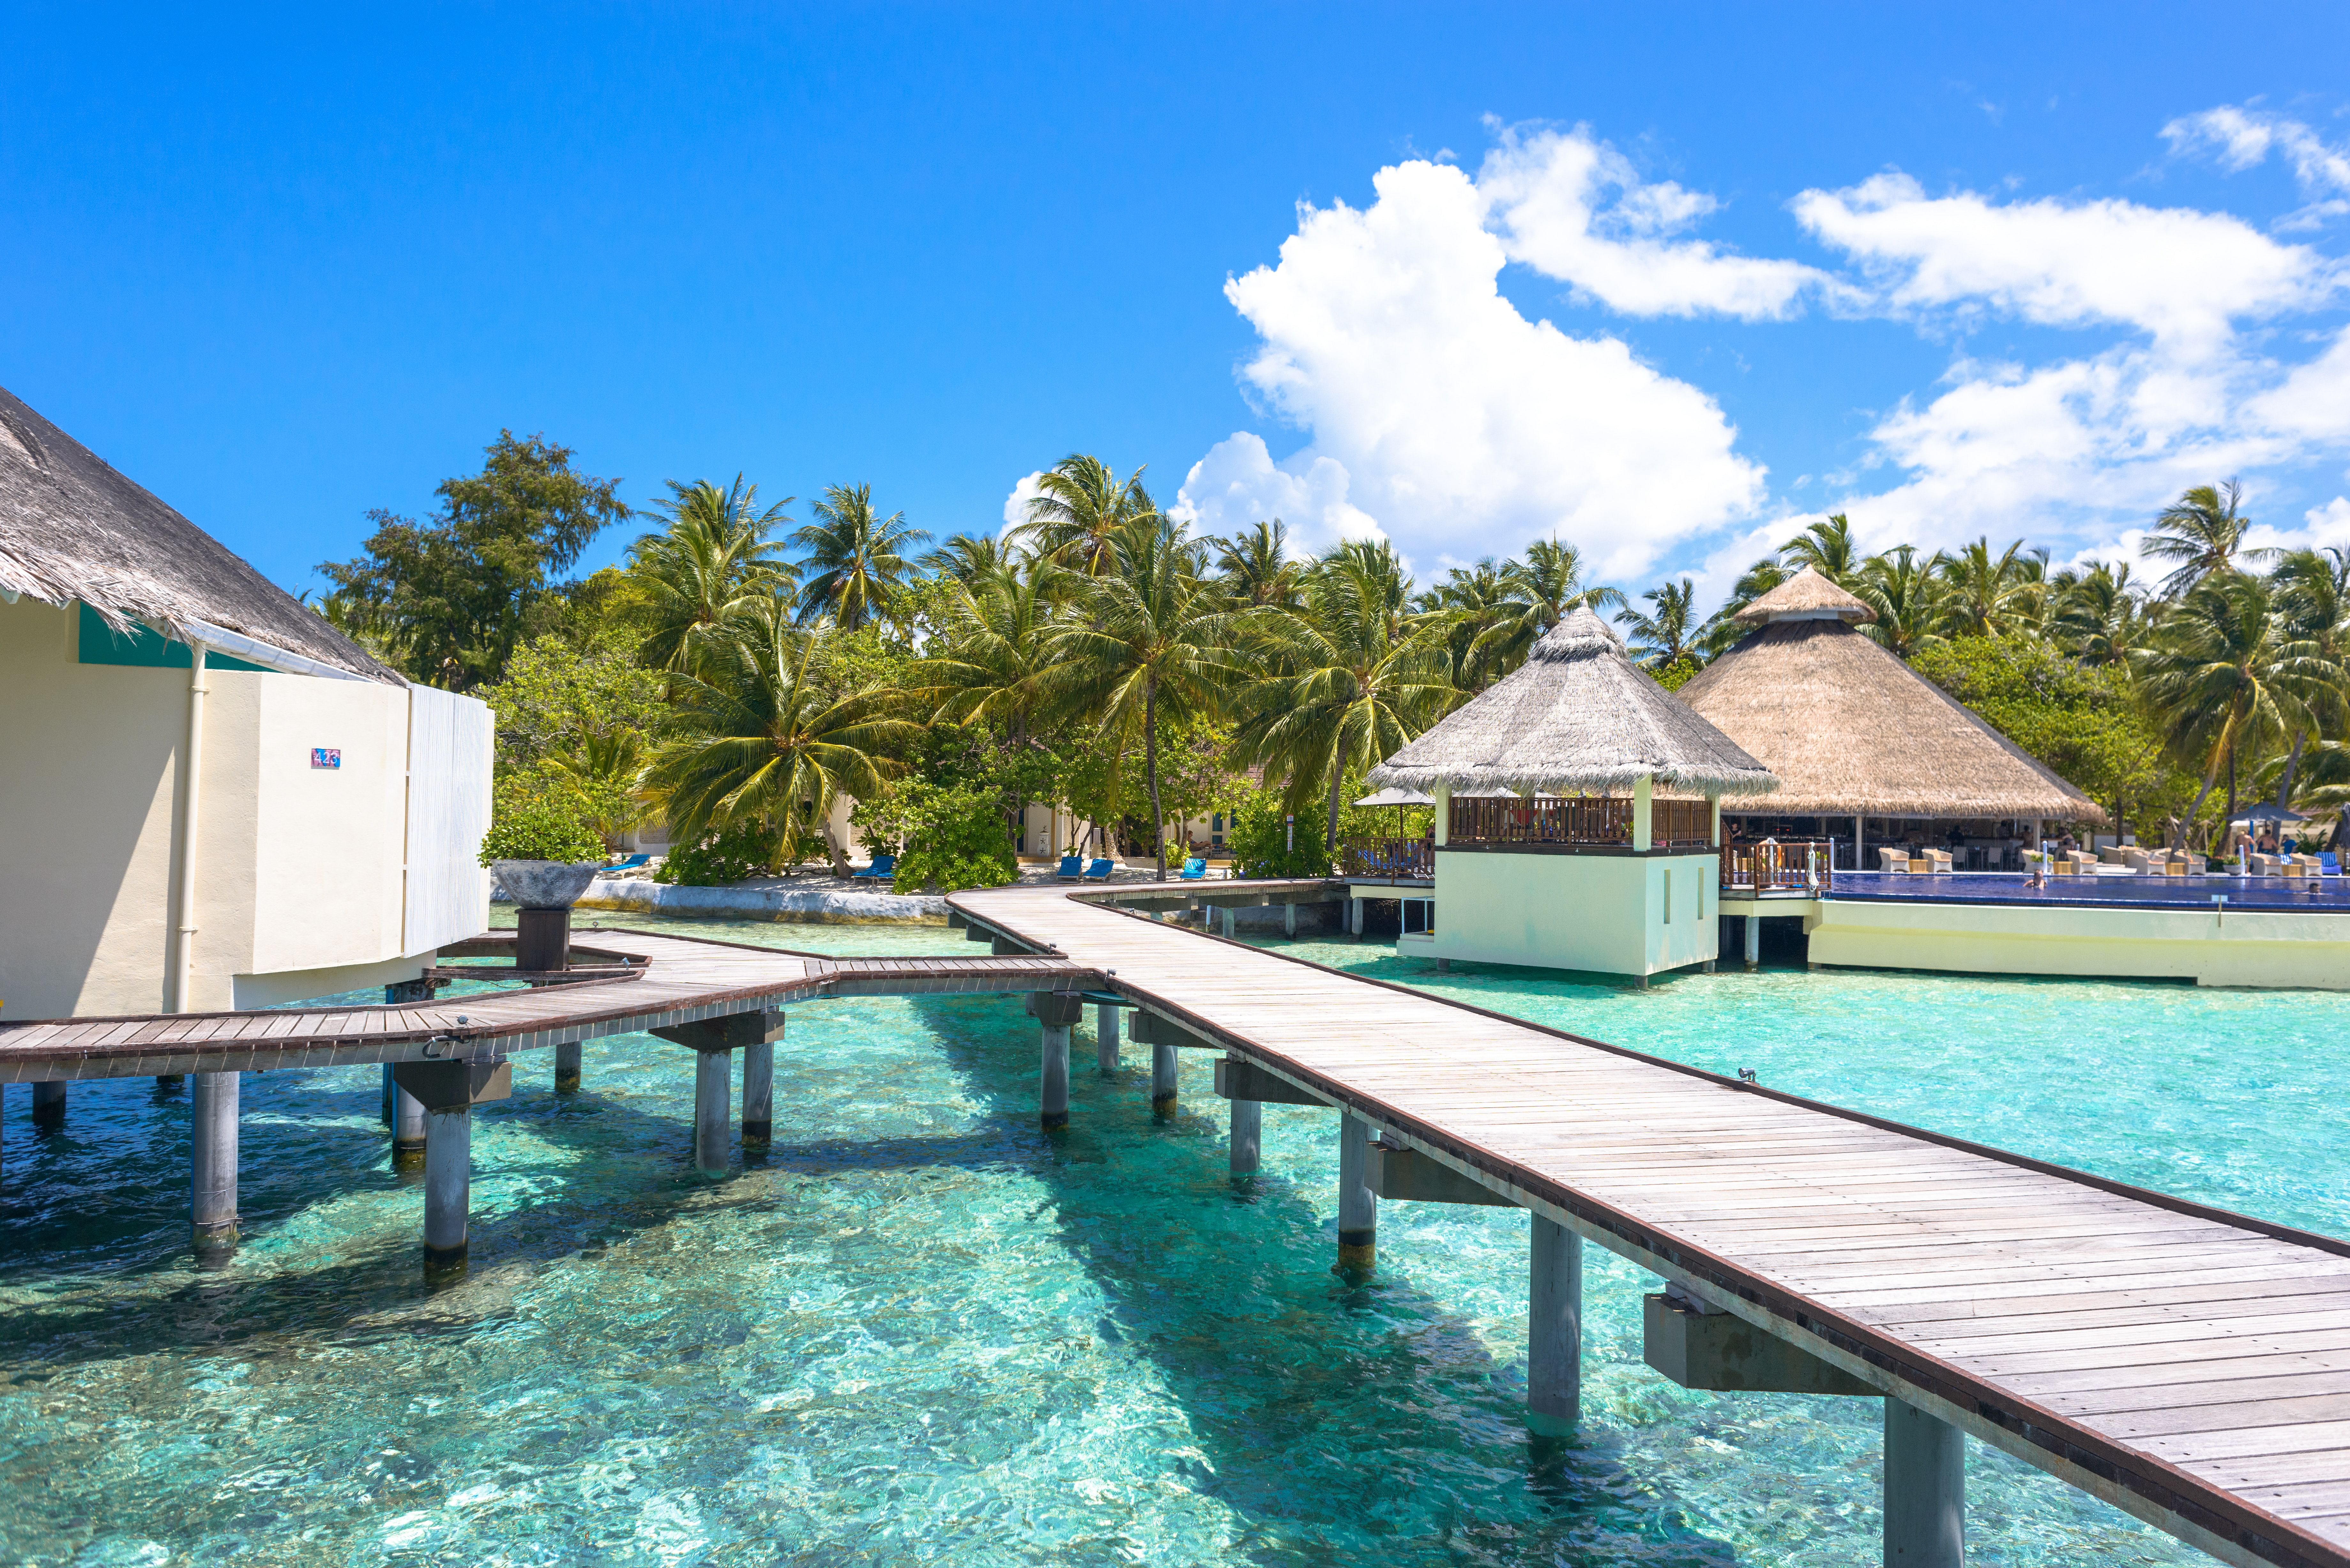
(2190, 1366)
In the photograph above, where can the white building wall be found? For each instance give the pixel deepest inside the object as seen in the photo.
(451, 740)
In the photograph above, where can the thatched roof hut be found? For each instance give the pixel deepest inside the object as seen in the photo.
(1850, 729)
(72, 528)
(1579, 716)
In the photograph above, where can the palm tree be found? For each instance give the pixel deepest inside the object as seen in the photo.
(1987, 595)
(1826, 547)
(2202, 531)
(759, 737)
(1148, 638)
(2095, 617)
(1256, 566)
(970, 557)
(859, 560)
(1082, 509)
(2222, 678)
(711, 563)
(1543, 587)
(1907, 596)
(1345, 680)
(1666, 631)
(609, 765)
(1476, 605)
(995, 651)
(2312, 601)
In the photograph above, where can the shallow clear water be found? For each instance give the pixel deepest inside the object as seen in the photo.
(919, 1331)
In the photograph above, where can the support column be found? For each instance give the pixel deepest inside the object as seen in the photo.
(758, 1095)
(448, 1188)
(213, 1146)
(543, 939)
(407, 1130)
(1354, 915)
(1053, 1077)
(1248, 1134)
(1754, 941)
(1644, 812)
(1554, 1330)
(568, 1060)
(1232, 921)
(1289, 920)
(1925, 1490)
(1162, 1077)
(391, 1094)
(1106, 1040)
(1359, 1208)
(713, 1087)
(49, 1104)
(1859, 834)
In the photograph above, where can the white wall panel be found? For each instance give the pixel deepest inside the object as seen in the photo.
(450, 742)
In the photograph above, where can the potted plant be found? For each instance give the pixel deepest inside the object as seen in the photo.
(545, 857)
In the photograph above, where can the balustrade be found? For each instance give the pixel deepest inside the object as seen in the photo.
(1581, 819)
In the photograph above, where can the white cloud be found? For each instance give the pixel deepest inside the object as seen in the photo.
(2320, 527)
(1462, 427)
(2180, 275)
(1016, 506)
(2238, 138)
(1575, 209)
(1238, 485)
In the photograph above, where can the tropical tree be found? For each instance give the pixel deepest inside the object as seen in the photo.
(1987, 595)
(1256, 566)
(2313, 602)
(1664, 633)
(1826, 547)
(606, 766)
(858, 559)
(1725, 630)
(760, 740)
(1541, 589)
(1907, 597)
(969, 557)
(1346, 680)
(2223, 678)
(2202, 532)
(1476, 604)
(996, 643)
(712, 563)
(2096, 616)
(1082, 510)
(1149, 639)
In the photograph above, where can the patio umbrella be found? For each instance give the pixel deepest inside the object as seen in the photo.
(2267, 811)
(1398, 798)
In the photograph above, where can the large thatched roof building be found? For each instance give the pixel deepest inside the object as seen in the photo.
(1579, 716)
(1851, 731)
(71, 528)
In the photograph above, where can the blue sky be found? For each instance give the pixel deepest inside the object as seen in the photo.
(1981, 271)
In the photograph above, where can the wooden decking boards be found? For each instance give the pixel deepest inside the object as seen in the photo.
(2190, 1365)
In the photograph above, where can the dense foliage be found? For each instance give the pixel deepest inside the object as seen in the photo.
(739, 678)
(534, 828)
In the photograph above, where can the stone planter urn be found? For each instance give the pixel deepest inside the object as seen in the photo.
(544, 891)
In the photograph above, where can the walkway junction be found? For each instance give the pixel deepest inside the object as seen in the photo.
(2190, 1366)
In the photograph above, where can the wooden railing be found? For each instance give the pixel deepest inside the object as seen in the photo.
(1672, 823)
(1789, 865)
(1389, 858)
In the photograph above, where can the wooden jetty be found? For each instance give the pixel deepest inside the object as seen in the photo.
(2190, 1366)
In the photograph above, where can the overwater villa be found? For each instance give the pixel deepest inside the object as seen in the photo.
(1578, 812)
(1870, 755)
(216, 799)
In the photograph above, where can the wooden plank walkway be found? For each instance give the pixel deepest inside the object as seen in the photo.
(680, 980)
(2190, 1366)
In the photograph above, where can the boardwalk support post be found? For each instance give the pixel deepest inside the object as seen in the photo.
(759, 1090)
(1055, 1013)
(713, 1041)
(406, 1127)
(1163, 1079)
(390, 1094)
(1554, 1330)
(1106, 1041)
(212, 1150)
(1358, 1209)
(1248, 1119)
(1354, 915)
(1289, 919)
(49, 1104)
(568, 1060)
(1232, 923)
(448, 1092)
(1925, 1490)
(1754, 934)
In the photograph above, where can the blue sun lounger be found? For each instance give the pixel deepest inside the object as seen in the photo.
(1098, 871)
(1072, 868)
(884, 867)
(1194, 870)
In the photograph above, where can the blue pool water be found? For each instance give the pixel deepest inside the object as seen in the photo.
(920, 1332)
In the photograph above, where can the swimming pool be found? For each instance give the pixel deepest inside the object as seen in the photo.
(919, 1331)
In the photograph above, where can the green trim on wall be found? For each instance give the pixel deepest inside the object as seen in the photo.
(98, 643)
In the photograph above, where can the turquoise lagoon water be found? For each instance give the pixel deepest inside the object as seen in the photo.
(920, 1332)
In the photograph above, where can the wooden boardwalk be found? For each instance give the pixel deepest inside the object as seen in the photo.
(678, 980)
(2190, 1365)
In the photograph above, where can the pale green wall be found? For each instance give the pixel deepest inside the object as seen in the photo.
(1601, 913)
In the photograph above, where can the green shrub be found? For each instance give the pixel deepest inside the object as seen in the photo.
(953, 837)
(525, 828)
(1259, 840)
(728, 855)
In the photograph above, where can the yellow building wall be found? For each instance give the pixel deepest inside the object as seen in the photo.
(298, 875)
(1606, 914)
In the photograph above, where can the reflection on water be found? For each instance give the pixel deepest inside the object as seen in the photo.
(921, 1331)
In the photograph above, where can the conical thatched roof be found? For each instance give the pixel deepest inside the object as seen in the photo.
(1851, 731)
(1578, 715)
(1807, 595)
(72, 528)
